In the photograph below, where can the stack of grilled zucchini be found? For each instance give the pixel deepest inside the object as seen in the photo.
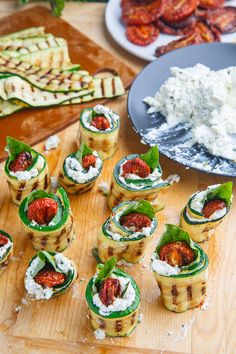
(36, 71)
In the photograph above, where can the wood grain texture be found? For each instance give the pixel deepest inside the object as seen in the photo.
(61, 325)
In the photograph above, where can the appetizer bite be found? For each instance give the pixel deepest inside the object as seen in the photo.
(49, 274)
(99, 128)
(25, 169)
(6, 250)
(47, 220)
(137, 177)
(80, 170)
(205, 210)
(113, 299)
(127, 232)
(180, 266)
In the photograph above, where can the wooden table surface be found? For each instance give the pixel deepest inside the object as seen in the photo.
(61, 325)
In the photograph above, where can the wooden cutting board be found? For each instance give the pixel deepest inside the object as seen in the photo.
(34, 125)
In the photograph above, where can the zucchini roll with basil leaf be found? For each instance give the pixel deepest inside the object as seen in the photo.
(137, 177)
(180, 268)
(113, 299)
(47, 220)
(80, 170)
(25, 169)
(6, 250)
(99, 128)
(205, 211)
(127, 232)
(49, 274)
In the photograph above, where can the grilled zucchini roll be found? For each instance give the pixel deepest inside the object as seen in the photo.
(49, 274)
(47, 220)
(180, 268)
(25, 169)
(127, 232)
(6, 250)
(113, 299)
(80, 170)
(205, 211)
(137, 177)
(99, 128)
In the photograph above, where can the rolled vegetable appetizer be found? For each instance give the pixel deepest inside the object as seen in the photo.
(127, 232)
(99, 128)
(6, 250)
(180, 268)
(47, 220)
(113, 299)
(80, 170)
(205, 211)
(49, 274)
(137, 177)
(25, 169)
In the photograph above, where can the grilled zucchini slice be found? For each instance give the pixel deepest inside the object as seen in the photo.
(26, 33)
(6, 251)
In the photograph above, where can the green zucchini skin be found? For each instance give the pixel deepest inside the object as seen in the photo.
(10, 248)
(118, 314)
(116, 124)
(70, 278)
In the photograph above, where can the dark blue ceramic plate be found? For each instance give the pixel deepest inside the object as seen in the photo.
(172, 142)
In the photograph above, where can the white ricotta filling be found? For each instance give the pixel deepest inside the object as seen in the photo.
(119, 304)
(99, 109)
(155, 177)
(162, 267)
(203, 99)
(26, 175)
(38, 291)
(145, 231)
(4, 249)
(197, 204)
(75, 171)
(52, 142)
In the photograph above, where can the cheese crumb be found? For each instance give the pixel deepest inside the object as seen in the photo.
(103, 187)
(52, 142)
(99, 334)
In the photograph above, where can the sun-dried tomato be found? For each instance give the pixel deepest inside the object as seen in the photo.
(42, 210)
(3, 240)
(176, 253)
(142, 35)
(142, 14)
(208, 33)
(88, 160)
(21, 162)
(49, 278)
(109, 289)
(179, 43)
(179, 10)
(175, 30)
(137, 167)
(223, 18)
(100, 122)
(212, 206)
(211, 4)
(136, 221)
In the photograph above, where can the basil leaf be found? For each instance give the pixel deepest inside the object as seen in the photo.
(224, 192)
(151, 157)
(39, 267)
(48, 258)
(57, 7)
(125, 289)
(83, 151)
(142, 207)
(95, 255)
(174, 233)
(105, 271)
(15, 147)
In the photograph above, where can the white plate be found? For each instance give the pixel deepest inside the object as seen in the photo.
(117, 30)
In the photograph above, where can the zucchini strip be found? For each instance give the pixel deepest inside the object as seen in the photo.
(199, 227)
(125, 189)
(7, 108)
(6, 251)
(55, 263)
(114, 322)
(125, 244)
(103, 141)
(74, 178)
(26, 33)
(182, 287)
(35, 177)
(58, 234)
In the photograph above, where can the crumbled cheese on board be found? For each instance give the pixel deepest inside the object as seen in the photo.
(104, 187)
(52, 142)
(99, 334)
